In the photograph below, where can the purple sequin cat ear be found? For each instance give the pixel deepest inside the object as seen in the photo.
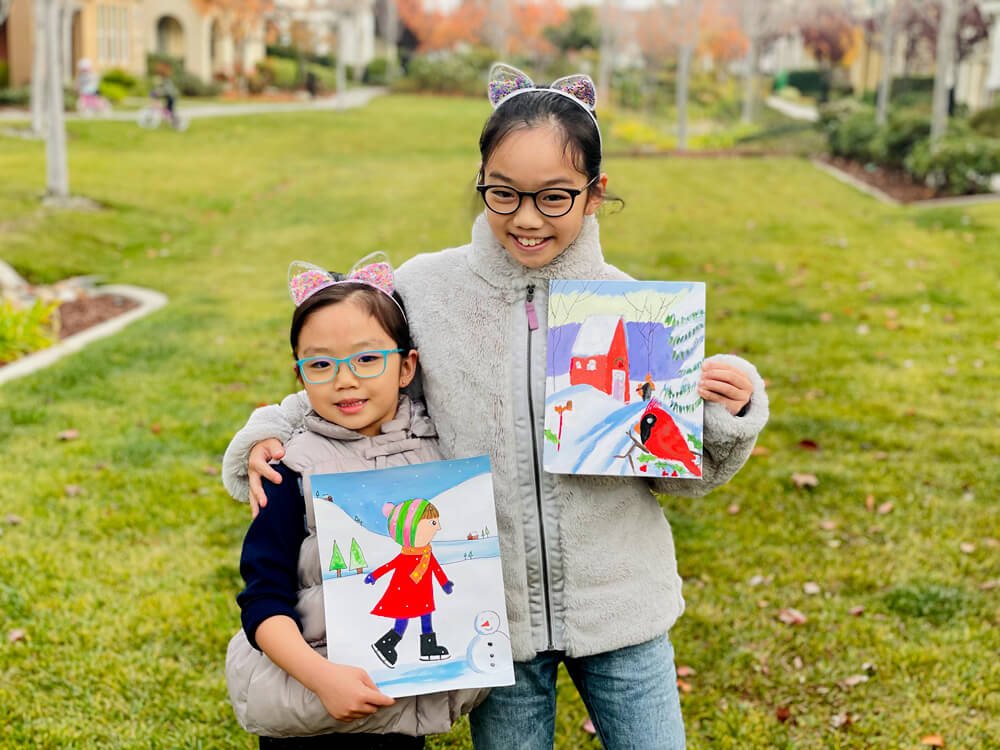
(580, 87)
(375, 270)
(505, 81)
(305, 279)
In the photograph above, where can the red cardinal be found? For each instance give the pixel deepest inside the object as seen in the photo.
(661, 437)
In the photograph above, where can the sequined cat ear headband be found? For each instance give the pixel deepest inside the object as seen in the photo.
(305, 279)
(506, 82)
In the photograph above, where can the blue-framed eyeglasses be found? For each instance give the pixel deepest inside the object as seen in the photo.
(319, 370)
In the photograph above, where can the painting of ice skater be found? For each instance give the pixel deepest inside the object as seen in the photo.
(621, 394)
(418, 601)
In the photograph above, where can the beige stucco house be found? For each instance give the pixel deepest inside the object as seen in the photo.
(120, 33)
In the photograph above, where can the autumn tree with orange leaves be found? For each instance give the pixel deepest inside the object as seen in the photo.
(828, 33)
(236, 16)
(523, 25)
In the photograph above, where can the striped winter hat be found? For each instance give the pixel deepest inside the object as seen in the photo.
(403, 519)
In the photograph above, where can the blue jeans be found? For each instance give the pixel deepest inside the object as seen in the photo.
(630, 694)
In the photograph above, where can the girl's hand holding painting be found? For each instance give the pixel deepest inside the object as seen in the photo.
(348, 693)
(724, 385)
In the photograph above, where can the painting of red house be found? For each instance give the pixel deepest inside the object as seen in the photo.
(600, 356)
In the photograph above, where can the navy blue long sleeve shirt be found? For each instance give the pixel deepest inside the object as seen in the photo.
(270, 558)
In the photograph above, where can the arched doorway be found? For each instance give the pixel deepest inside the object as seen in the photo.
(170, 37)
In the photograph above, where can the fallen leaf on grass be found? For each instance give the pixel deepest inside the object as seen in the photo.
(72, 490)
(825, 317)
(797, 662)
(805, 480)
(841, 720)
(853, 680)
(685, 671)
(68, 435)
(760, 450)
(212, 470)
(811, 587)
(783, 713)
(684, 687)
(16, 635)
(885, 507)
(990, 585)
(933, 740)
(967, 547)
(791, 616)
(808, 445)
(14, 519)
(733, 509)
(588, 726)
(870, 502)
(828, 524)
(857, 611)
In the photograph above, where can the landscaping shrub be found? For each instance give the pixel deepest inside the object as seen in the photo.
(189, 84)
(853, 136)
(987, 122)
(809, 82)
(956, 164)
(894, 142)
(25, 330)
(282, 72)
(455, 73)
(19, 97)
(155, 62)
(120, 78)
(112, 91)
(376, 72)
(4, 74)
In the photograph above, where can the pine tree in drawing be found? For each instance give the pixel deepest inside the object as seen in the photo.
(358, 562)
(337, 560)
(687, 340)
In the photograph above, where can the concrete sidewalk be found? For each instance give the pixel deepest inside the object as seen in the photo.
(190, 109)
(791, 109)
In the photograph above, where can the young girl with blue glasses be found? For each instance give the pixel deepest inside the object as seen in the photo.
(589, 567)
(353, 354)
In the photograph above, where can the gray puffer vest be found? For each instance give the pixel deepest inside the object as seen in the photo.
(267, 700)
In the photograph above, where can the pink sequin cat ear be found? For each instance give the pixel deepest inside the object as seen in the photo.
(580, 87)
(305, 279)
(375, 270)
(506, 81)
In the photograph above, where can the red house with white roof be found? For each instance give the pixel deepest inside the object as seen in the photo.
(600, 356)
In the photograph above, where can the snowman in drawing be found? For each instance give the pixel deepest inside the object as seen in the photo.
(489, 649)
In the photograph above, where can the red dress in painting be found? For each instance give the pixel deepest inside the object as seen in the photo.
(406, 597)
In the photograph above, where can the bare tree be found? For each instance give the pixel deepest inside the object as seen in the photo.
(38, 70)
(763, 21)
(888, 31)
(4, 9)
(56, 169)
(943, 68)
(650, 313)
(609, 45)
(690, 13)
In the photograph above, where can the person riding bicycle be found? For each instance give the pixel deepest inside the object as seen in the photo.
(164, 88)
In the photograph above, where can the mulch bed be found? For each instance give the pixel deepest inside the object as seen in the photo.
(86, 312)
(895, 183)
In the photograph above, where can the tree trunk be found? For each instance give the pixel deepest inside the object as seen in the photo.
(57, 172)
(689, 43)
(943, 67)
(341, 65)
(885, 77)
(38, 70)
(750, 74)
(607, 51)
(391, 33)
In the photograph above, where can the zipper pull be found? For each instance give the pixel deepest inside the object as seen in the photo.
(529, 308)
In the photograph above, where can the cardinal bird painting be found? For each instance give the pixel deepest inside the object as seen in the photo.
(605, 338)
(658, 435)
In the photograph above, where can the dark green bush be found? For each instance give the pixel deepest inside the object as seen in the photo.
(850, 128)
(376, 72)
(189, 84)
(19, 97)
(894, 142)
(155, 61)
(4, 74)
(956, 164)
(457, 73)
(911, 84)
(809, 82)
(987, 122)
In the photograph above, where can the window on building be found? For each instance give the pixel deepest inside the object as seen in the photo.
(112, 35)
(578, 365)
(592, 364)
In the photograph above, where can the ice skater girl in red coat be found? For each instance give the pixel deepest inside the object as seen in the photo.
(412, 523)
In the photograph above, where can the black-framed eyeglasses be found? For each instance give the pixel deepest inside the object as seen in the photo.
(551, 202)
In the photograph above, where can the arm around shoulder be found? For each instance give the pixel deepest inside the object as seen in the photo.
(727, 439)
(273, 421)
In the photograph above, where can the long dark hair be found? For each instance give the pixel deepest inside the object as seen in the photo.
(580, 134)
(374, 302)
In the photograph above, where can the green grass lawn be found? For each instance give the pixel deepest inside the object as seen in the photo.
(875, 326)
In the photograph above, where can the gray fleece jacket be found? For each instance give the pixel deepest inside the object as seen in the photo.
(588, 561)
(266, 699)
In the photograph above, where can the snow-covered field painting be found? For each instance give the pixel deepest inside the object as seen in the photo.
(412, 585)
(621, 392)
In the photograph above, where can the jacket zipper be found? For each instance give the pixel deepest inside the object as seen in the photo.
(529, 309)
